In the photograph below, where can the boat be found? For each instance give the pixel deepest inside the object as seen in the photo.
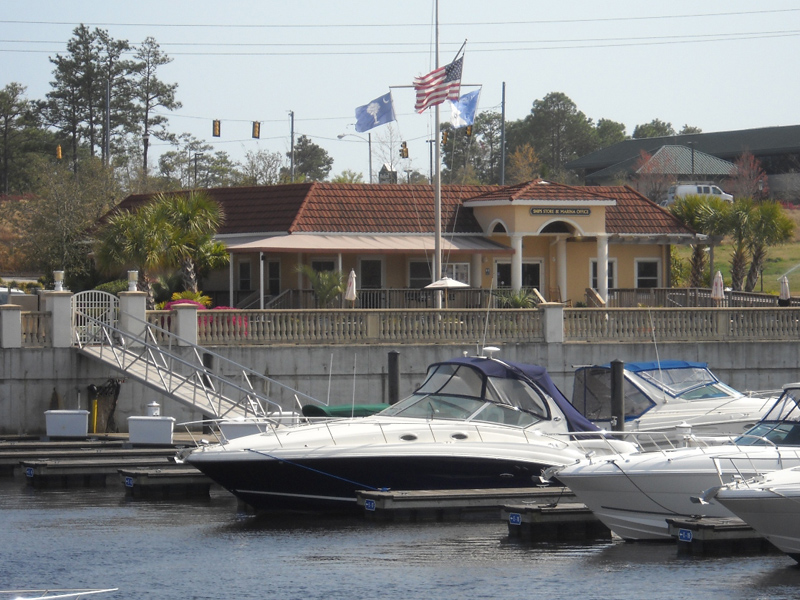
(663, 395)
(634, 494)
(51, 594)
(475, 422)
(770, 504)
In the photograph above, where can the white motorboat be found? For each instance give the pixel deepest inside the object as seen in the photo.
(634, 493)
(770, 504)
(660, 396)
(476, 422)
(52, 594)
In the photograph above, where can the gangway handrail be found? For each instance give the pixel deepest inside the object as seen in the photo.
(213, 387)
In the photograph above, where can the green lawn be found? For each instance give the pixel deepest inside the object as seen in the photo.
(780, 260)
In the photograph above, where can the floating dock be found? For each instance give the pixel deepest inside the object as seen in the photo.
(452, 505)
(564, 521)
(174, 482)
(719, 536)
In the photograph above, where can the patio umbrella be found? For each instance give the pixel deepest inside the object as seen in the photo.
(446, 283)
(784, 298)
(717, 288)
(350, 292)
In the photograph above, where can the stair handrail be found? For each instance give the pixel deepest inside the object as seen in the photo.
(147, 350)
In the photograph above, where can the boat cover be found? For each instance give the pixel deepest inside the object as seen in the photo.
(492, 367)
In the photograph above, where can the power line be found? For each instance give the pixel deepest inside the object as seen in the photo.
(405, 25)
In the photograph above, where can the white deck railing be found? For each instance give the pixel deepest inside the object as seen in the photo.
(347, 326)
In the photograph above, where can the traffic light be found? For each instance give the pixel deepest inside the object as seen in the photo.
(444, 138)
(256, 129)
(469, 131)
(58, 152)
(403, 150)
(216, 128)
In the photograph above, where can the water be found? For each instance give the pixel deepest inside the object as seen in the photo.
(204, 549)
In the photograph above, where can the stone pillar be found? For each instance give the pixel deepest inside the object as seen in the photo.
(59, 306)
(185, 323)
(10, 326)
(132, 314)
(553, 322)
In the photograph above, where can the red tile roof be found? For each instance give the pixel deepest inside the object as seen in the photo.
(541, 190)
(382, 208)
(635, 214)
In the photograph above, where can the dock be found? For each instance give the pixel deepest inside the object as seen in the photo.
(717, 536)
(168, 483)
(452, 505)
(564, 521)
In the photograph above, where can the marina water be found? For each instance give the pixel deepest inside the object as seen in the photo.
(205, 549)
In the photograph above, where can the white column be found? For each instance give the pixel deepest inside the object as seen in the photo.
(132, 314)
(261, 279)
(561, 261)
(475, 275)
(10, 326)
(230, 280)
(516, 262)
(602, 266)
(58, 305)
(185, 323)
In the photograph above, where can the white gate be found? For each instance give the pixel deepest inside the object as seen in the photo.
(91, 310)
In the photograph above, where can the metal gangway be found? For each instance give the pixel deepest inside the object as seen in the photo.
(190, 374)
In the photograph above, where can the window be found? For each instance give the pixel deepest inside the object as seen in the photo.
(647, 273)
(245, 278)
(323, 265)
(371, 277)
(457, 271)
(274, 277)
(612, 273)
(419, 274)
(531, 275)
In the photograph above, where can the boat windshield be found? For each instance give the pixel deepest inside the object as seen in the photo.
(689, 383)
(460, 392)
(780, 426)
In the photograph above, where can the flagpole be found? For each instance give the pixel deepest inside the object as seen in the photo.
(437, 182)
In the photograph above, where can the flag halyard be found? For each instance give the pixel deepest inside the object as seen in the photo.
(439, 85)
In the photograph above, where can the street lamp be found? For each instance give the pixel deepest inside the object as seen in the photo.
(368, 139)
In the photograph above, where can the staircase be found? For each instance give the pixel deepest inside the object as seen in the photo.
(180, 370)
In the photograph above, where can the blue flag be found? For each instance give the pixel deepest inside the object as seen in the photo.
(378, 112)
(463, 111)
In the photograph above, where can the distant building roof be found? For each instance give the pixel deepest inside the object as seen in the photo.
(728, 145)
(669, 160)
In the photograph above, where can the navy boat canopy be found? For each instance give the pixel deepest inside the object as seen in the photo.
(504, 369)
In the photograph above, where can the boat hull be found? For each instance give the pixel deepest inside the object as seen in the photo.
(330, 483)
(771, 507)
(634, 495)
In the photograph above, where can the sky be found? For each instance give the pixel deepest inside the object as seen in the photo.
(719, 64)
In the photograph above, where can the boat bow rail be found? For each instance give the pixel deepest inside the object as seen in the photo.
(180, 370)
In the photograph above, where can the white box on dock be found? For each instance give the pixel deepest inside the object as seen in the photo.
(150, 430)
(67, 423)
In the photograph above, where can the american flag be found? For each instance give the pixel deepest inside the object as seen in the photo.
(437, 86)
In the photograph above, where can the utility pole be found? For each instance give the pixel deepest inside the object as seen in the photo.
(503, 136)
(291, 118)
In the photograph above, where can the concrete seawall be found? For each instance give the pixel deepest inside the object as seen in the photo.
(343, 374)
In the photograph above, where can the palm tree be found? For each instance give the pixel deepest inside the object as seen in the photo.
(327, 285)
(132, 240)
(740, 223)
(770, 226)
(190, 222)
(704, 215)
